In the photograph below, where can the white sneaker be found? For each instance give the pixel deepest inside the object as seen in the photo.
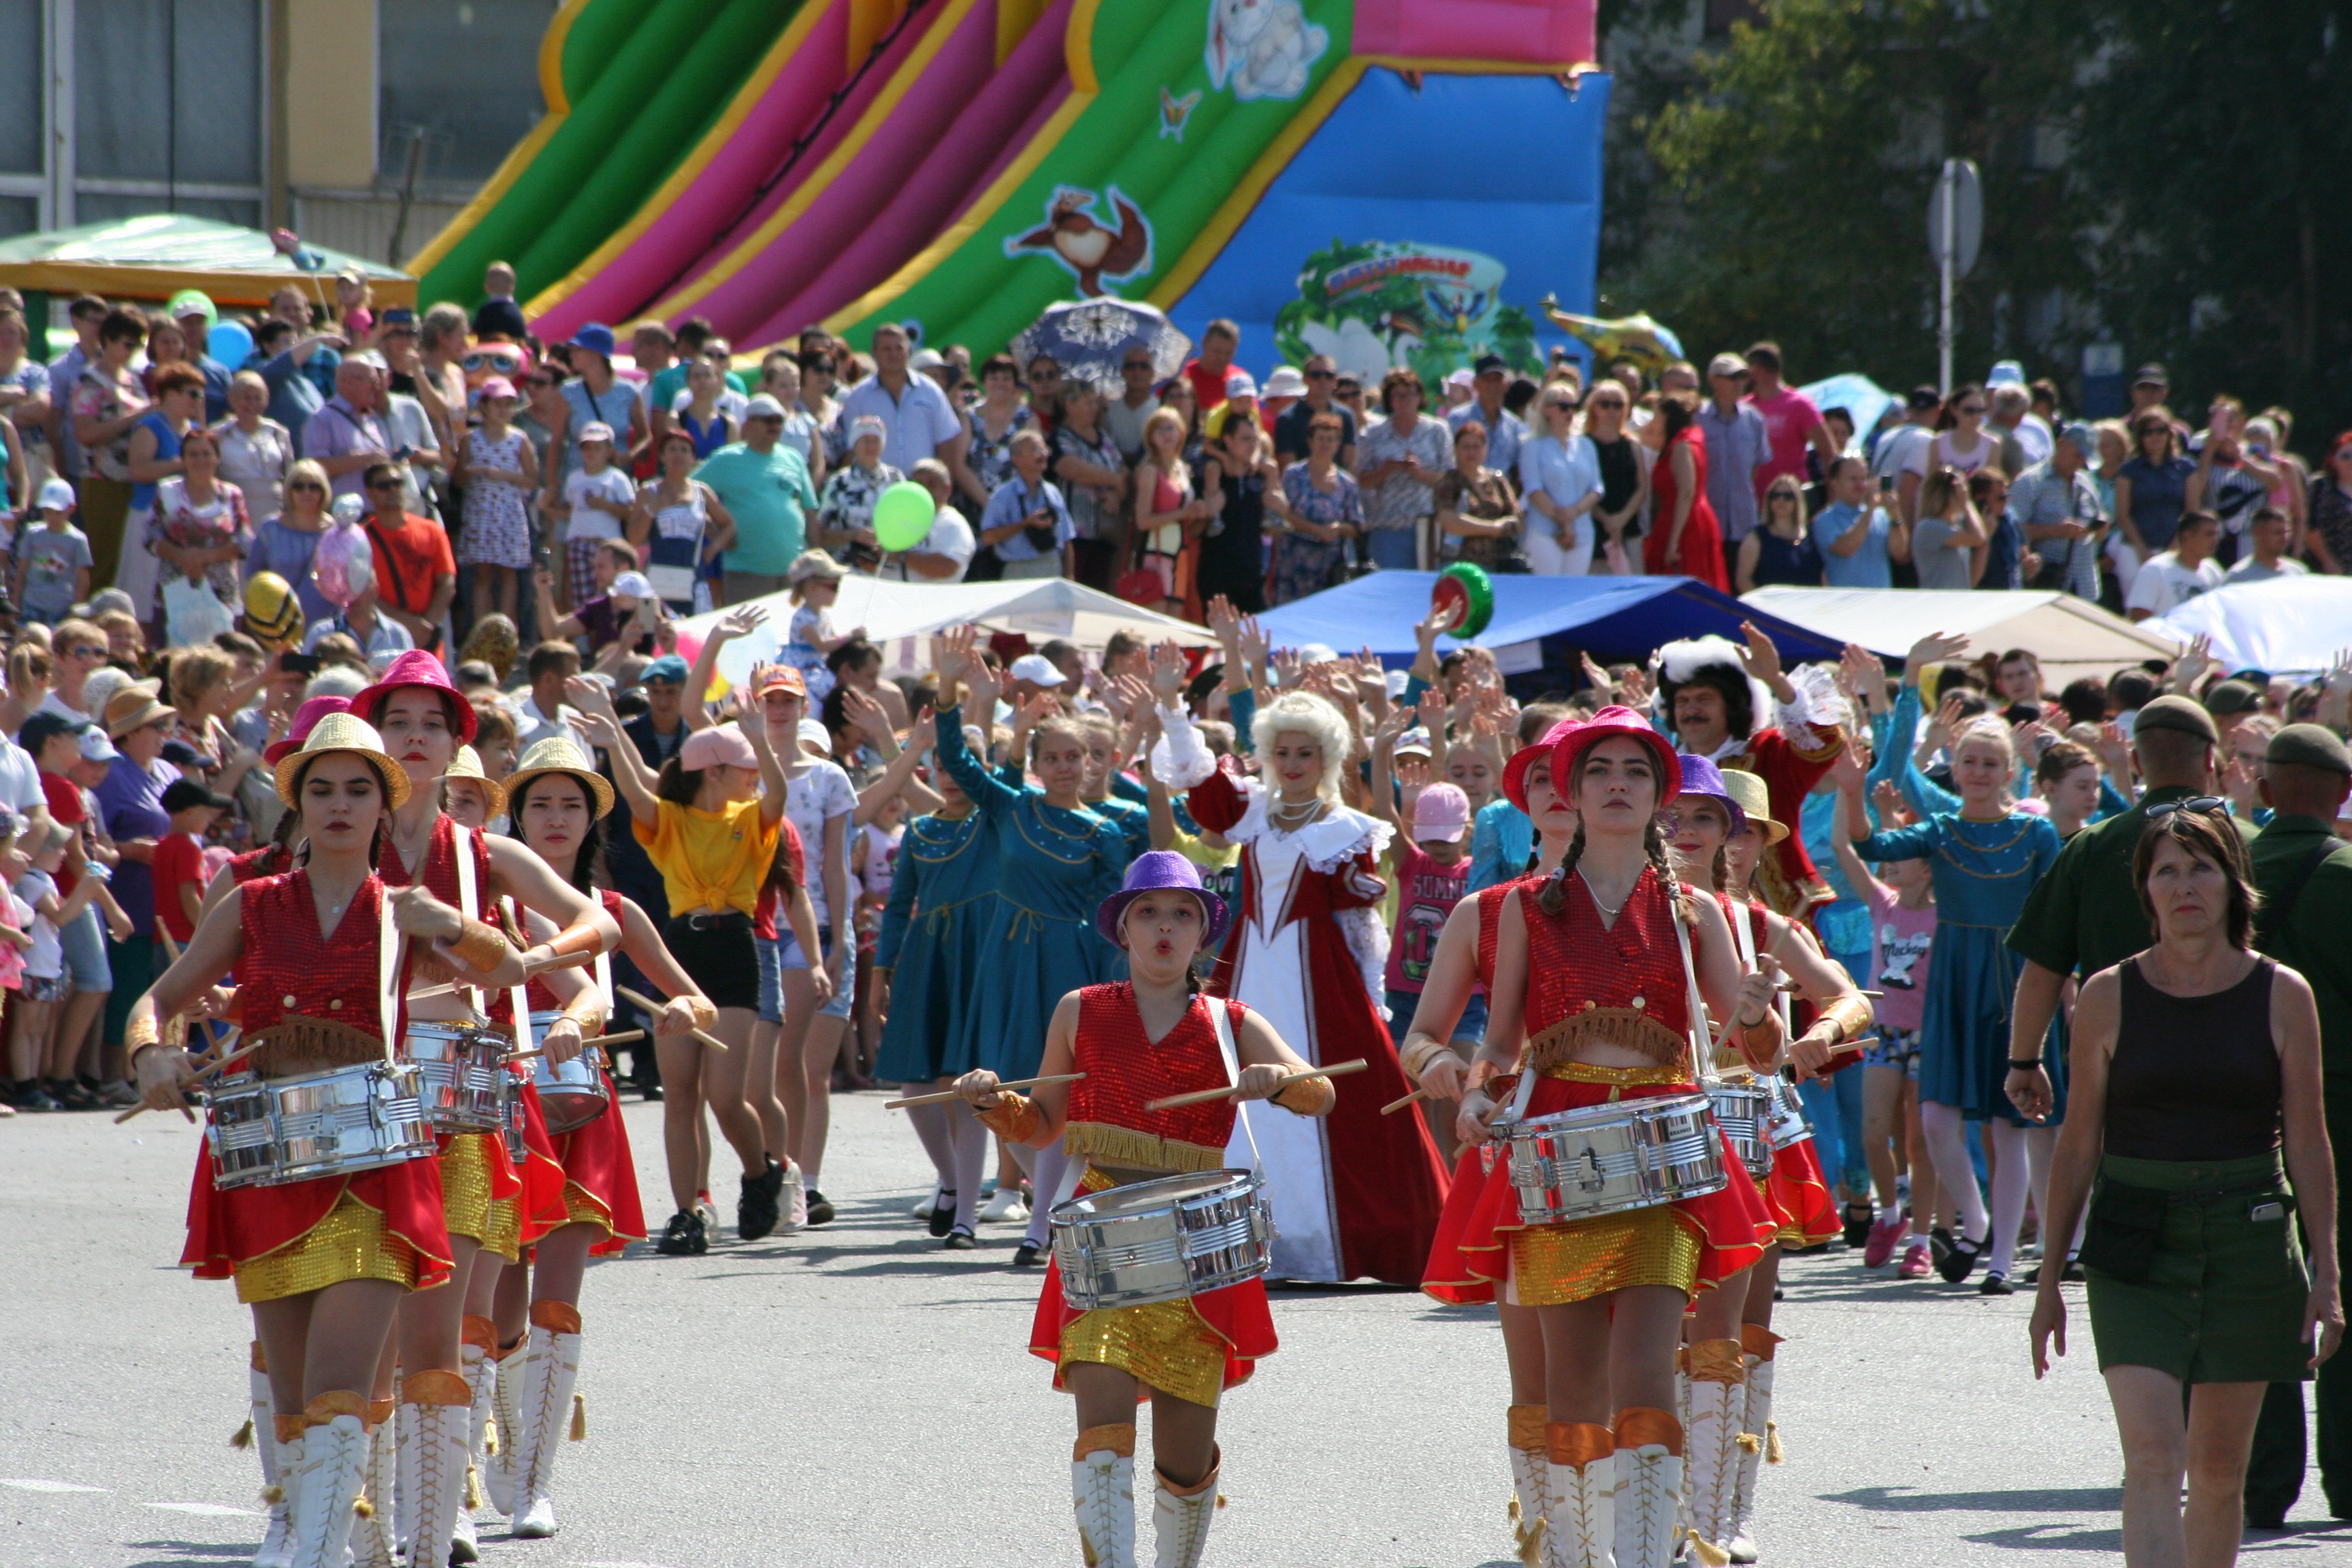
(794, 1201)
(1005, 1208)
(924, 1209)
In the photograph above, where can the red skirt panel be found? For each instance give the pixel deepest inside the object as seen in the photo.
(1468, 1259)
(539, 1188)
(1238, 1315)
(1799, 1195)
(600, 1178)
(227, 1228)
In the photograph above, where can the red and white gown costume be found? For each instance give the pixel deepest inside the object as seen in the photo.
(1355, 1194)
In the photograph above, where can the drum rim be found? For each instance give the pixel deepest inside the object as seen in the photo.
(1245, 1181)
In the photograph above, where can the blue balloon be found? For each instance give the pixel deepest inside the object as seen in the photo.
(229, 342)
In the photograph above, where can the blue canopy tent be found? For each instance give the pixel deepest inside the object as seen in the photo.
(1538, 620)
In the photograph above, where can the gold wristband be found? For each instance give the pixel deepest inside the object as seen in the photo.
(587, 1010)
(573, 940)
(481, 946)
(1849, 1014)
(139, 1031)
(1417, 1052)
(1013, 1116)
(706, 1015)
(1313, 1095)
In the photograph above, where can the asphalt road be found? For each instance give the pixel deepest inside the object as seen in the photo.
(856, 1396)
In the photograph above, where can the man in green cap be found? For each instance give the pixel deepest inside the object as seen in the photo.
(2085, 916)
(194, 310)
(2304, 876)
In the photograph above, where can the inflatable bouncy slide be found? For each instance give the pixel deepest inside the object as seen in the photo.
(1393, 181)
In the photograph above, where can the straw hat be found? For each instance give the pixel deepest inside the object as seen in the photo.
(561, 754)
(343, 732)
(1755, 798)
(136, 707)
(468, 766)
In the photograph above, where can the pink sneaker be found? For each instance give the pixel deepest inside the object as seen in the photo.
(1914, 1261)
(1883, 1237)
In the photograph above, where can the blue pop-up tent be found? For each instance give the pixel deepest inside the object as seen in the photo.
(1536, 618)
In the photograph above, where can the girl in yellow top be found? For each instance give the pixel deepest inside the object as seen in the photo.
(710, 823)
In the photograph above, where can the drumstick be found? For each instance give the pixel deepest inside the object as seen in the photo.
(623, 1038)
(210, 1066)
(944, 1096)
(1202, 1096)
(1408, 1100)
(561, 960)
(651, 1007)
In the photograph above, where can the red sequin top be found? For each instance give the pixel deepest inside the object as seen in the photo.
(1125, 1069)
(440, 877)
(1621, 983)
(289, 971)
(269, 860)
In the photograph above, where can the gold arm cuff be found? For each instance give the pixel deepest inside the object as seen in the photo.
(1014, 1117)
(481, 946)
(706, 1015)
(1306, 1096)
(587, 1010)
(576, 938)
(1418, 1051)
(139, 1031)
(1849, 1014)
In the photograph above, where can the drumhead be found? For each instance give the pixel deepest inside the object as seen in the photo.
(1159, 1192)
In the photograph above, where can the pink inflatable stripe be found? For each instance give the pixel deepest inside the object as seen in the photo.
(1535, 32)
(687, 229)
(873, 222)
(722, 304)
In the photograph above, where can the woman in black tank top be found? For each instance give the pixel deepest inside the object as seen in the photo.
(2195, 1067)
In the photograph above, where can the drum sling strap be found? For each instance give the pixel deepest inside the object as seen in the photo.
(1223, 1023)
(387, 973)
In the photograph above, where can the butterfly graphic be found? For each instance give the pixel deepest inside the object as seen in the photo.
(1174, 111)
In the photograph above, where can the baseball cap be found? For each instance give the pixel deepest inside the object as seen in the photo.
(669, 668)
(1924, 396)
(2083, 437)
(763, 406)
(181, 794)
(780, 677)
(927, 359)
(867, 424)
(633, 585)
(498, 386)
(2152, 374)
(596, 430)
(56, 495)
(722, 746)
(815, 736)
(368, 357)
(1727, 365)
(193, 302)
(96, 747)
(1036, 670)
(2005, 372)
(1489, 362)
(1413, 742)
(1442, 811)
(40, 729)
(1460, 378)
(1240, 383)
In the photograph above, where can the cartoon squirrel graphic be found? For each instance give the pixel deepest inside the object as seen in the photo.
(1086, 247)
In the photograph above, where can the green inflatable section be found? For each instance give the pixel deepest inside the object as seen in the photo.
(1145, 57)
(645, 78)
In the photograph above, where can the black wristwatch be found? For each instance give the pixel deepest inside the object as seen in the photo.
(2031, 1065)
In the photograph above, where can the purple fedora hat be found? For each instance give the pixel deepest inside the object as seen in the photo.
(1154, 871)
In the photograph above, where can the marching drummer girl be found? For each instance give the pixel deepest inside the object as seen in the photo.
(1135, 1041)
(1721, 829)
(1056, 862)
(927, 966)
(326, 1262)
(1600, 968)
(1463, 963)
(487, 1204)
(558, 802)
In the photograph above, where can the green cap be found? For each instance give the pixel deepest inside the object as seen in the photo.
(2178, 713)
(2227, 699)
(193, 302)
(2309, 746)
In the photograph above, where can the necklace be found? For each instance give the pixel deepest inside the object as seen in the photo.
(1595, 894)
(1290, 816)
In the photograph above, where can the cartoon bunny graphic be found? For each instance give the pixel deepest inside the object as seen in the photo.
(1262, 48)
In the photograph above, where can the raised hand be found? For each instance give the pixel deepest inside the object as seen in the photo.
(1224, 623)
(1850, 766)
(952, 652)
(2194, 661)
(1287, 668)
(1253, 643)
(1633, 690)
(1889, 803)
(1168, 674)
(1759, 658)
(739, 622)
(1933, 648)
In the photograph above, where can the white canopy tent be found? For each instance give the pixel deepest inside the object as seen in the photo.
(2287, 626)
(899, 618)
(2072, 637)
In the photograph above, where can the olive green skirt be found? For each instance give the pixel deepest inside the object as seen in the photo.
(2223, 1302)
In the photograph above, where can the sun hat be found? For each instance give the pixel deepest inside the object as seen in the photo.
(341, 732)
(136, 707)
(1442, 811)
(596, 337)
(1727, 365)
(596, 430)
(1609, 723)
(1754, 798)
(927, 359)
(58, 495)
(306, 718)
(558, 755)
(1286, 382)
(1158, 871)
(811, 563)
(2083, 437)
(720, 746)
(2005, 372)
(1515, 770)
(1701, 777)
(468, 765)
(414, 667)
(1461, 378)
(1037, 670)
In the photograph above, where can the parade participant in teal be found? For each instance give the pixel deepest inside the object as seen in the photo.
(1057, 861)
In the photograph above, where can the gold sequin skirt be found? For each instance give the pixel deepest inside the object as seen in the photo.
(495, 1223)
(352, 1243)
(1554, 1265)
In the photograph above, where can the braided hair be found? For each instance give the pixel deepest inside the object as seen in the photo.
(1552, 899)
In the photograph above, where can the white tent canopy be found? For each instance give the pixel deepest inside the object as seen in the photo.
(2287, 626)
(899, 616)
(2072, 637)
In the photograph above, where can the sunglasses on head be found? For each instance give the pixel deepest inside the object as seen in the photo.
(2199, 803)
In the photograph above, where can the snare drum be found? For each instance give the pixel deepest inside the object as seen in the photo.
(1744, 1111)
(1609, 1159)
(1788, 1124)
(463, 1068)
(1163, 1240)
(570, 1094)
(271, 1132)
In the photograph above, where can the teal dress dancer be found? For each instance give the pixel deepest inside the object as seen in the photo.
(934, 932)
(1983, 871)
(1055, 865)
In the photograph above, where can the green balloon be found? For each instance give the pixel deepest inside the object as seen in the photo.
(902, 515)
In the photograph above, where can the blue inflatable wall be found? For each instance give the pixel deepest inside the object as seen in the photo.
(1421, 223)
